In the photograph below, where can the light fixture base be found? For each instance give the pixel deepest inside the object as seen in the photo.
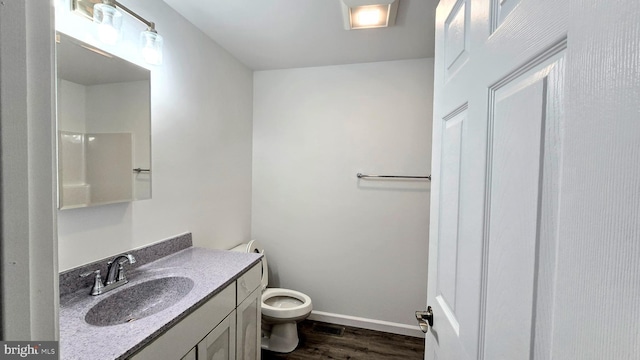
(84, 7)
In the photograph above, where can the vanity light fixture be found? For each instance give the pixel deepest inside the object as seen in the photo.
(109, 21)
(107, 16)
(369, 14)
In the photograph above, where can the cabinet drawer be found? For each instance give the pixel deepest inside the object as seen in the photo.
(248, 282)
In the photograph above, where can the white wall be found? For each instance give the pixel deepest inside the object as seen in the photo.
(356, 247)
(29, 296)
(201, 145)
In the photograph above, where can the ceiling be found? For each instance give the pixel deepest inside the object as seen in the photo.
(281, 34)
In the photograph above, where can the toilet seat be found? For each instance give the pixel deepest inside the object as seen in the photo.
(289, 311)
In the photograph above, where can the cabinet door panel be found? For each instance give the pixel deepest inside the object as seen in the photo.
(248, 330)
(220, 343)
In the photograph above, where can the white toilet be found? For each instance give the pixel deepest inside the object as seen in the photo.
(282, 309)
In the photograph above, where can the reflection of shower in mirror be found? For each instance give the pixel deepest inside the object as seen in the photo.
(97, 168)
(103, 127)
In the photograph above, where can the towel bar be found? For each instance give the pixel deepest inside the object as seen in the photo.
(363, 176)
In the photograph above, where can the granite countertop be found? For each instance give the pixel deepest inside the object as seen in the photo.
(210, 270)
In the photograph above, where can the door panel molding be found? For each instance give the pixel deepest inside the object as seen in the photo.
(448, 312)
(543, 76)
(457, 38)
(451, 166)
(500, 9)
(542, 57)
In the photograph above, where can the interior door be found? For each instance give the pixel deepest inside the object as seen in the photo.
(535, 197)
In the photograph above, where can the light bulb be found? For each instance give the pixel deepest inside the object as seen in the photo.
(369, 17)
(107, 34)
(109, 21)
(151, 46)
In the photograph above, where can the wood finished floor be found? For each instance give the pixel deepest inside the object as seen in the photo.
(317, 342)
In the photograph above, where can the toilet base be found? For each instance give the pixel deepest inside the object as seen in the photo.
(281, 337)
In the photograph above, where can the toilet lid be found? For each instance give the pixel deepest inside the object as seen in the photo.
(254, 247)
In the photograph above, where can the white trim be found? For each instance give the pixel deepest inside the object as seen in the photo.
(28, 233)
(370, 324)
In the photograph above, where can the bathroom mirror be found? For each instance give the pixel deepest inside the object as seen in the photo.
(104, 127)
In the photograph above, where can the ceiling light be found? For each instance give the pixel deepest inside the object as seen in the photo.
(368, 14)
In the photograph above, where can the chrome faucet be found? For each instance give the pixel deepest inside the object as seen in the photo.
(115, 272)
(115, 275)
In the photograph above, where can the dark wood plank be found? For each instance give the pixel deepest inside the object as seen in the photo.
(354, 344)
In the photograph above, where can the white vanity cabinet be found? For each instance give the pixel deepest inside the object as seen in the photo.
(227, 327)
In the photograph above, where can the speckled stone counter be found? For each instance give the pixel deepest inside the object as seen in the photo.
(210, 270)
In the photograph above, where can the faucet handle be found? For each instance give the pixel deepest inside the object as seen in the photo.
(85, 274)
(131, 259)
(97, 281)
(120, 276)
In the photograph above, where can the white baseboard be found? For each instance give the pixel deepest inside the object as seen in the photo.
(370, 324)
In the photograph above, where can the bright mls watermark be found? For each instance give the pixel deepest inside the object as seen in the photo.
(42, 350)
